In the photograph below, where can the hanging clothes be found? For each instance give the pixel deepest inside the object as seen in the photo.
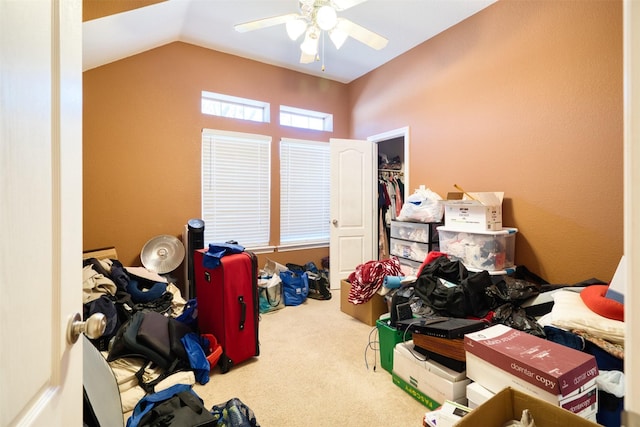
(398, 196)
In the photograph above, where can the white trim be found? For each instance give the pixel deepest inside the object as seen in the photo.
(299, 246)
(263, 106)
(261, 249)
(306, 141)
(327, 118)
(231, 134)
(396, 133)
(631, 96)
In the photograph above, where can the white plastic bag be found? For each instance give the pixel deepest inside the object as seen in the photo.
(422, 206)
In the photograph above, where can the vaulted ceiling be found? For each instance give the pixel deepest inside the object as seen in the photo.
(117, 29)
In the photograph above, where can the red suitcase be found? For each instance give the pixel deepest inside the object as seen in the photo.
(228, 308)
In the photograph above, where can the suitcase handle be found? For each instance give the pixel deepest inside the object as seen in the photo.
(243, 312)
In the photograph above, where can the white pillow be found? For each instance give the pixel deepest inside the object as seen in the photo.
(570, 312)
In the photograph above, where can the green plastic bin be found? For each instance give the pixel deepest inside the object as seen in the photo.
(388, 338)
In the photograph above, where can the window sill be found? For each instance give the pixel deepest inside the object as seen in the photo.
(261, 249)
(300, 246)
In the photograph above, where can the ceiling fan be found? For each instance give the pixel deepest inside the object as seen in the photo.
(314, 17)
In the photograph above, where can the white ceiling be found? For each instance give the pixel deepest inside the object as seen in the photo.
(209, 23)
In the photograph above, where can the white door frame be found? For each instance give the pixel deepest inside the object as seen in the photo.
(376, 140)
(631, 70)
(392, 134)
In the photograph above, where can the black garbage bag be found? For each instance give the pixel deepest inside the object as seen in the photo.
(516, 318)
(451, 290)
(512, 290)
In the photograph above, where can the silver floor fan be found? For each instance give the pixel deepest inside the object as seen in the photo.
(162, 254)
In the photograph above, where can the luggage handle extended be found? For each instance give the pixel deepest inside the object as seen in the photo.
(243, 311)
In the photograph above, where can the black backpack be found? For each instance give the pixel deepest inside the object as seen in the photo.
(177, 406)
(155, 338)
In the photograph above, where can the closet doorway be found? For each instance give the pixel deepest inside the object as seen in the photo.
(393, 183)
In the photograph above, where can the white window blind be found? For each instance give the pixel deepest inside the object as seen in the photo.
(236, 188)
(304, 193)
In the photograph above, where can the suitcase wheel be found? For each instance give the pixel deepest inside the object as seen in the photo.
(225, 363)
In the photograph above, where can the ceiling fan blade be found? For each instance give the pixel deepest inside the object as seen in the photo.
(265, 22)
(361, 34)
(346, 4)
(305, 58)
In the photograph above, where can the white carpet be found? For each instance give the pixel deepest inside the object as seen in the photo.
(311, 372)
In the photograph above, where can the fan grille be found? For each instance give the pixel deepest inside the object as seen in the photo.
(162, 254)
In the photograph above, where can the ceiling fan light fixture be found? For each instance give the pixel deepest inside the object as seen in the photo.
(295, 28)
(326, 17)
(310, 44)
(338, 37)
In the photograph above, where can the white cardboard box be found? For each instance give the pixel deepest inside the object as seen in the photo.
(482, 214)
(583, 400)
(477, 395)
(431, 378)
(450, 413)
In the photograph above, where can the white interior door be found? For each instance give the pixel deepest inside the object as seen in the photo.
(352, 207)
(41, 211)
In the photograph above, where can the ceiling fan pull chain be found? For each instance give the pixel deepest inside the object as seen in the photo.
(323, 51)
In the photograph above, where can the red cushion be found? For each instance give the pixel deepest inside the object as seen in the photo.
(594, 297)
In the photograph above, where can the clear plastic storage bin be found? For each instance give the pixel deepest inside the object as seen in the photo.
(425, 232)
(483, 250)
(406, 249)
(409, 267)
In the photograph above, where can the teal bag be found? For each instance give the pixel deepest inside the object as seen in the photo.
(270, 294)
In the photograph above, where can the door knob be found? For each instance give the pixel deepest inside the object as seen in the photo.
(93, 327)
(334, 222)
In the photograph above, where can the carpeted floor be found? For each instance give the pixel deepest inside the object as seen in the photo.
(312, 372)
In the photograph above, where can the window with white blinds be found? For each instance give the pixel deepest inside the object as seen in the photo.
(304, 193)
(236, 188)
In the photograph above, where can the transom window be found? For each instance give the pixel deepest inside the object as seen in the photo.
(234, 107)
(306, 119)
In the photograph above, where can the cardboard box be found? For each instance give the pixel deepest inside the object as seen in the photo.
(368, 312)
(431, 378)
(103, 253)
(582, 401)
(450, 414)
(508, 405)
(555, 368)
(477, 395)
(428, 402)
(482, 214)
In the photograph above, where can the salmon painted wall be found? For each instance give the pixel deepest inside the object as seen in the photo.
(524, 97)
(142, 139)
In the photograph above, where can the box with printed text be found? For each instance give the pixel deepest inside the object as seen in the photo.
(480, 212)
(553, 367)
(433, 379)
